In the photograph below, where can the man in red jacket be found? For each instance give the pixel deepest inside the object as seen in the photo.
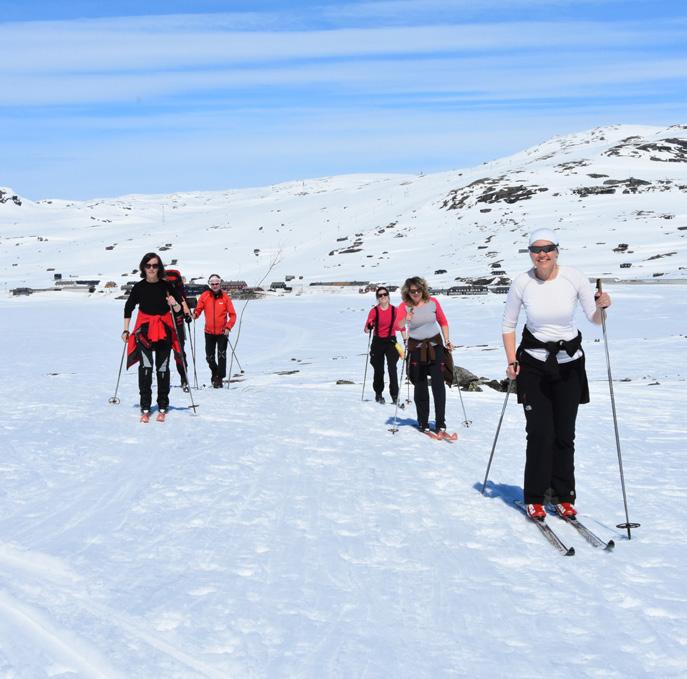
(220, 317)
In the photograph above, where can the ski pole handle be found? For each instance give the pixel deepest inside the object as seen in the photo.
(599, 293)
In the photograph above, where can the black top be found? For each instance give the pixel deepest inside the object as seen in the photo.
(150, 297)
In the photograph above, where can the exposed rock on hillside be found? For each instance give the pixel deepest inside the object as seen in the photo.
(6, 196)
(489, 190)
(670, 150)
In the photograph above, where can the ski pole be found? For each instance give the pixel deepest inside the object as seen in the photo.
(466, 422)
(627, 525)
(193, 355)
(231, 363)
(236, 357)
(394, 429)
(367, 355)
(176, 335)
(114, 400)
(498, 429)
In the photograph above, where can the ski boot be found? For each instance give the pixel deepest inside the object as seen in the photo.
(536, 512)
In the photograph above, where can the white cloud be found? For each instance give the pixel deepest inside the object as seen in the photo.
(116, 45)
(494, 78)
(403, 9)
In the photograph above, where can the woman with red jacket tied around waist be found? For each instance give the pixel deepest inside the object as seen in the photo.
(380, 321)
(220, 317)
(153, 332)
(550, 371)
(422, 321)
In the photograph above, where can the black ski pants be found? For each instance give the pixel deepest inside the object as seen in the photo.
(550, 405)
(156, 355)
(418, 372)
(216, 344)
(384, 350)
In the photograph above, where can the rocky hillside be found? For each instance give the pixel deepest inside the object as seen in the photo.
(617, 196)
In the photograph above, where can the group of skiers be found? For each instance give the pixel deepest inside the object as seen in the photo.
(159, 331)
(548, 365)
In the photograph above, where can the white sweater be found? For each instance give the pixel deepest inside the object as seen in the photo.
(550, 307)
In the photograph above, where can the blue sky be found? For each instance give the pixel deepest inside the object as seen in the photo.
(102, 99)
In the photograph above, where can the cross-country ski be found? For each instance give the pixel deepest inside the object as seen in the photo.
(549, 534)
(591, 537)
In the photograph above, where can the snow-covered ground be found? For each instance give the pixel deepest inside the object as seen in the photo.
(284, 532)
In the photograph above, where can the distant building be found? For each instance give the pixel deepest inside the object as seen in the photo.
(341, 284)
(467, 290)
(234, 285)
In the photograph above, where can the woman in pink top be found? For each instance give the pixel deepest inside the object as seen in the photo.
(381, 321)
(423, 322)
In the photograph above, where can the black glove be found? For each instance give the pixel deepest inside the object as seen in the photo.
(188, 318)
(370, 326)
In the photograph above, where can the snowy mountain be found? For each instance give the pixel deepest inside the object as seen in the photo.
(617, 195)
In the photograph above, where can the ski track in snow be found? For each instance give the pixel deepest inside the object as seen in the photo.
(285, 532)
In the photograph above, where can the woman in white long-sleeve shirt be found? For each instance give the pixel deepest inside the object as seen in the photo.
(550, 371)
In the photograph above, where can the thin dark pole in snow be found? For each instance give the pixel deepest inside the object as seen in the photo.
(367, 354)
(627, 525)
(496, 437)
(273, 263)
(114, 400)
(466, 422)
(193, 355)
(176, 334)
(394, 429)
(235, 356)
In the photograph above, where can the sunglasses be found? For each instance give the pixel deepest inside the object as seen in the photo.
(536, 249)
(382, 294)
(152, 266)
(214, 283)
(414, 291)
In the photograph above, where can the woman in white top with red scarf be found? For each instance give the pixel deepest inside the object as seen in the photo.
(549, 367)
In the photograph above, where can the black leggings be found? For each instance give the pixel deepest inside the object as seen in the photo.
(384, 349)
(550, 410)
(219, 366)
(162, 352)
(417, 372)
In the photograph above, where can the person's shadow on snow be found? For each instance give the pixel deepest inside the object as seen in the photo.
(402, 422)
(501, 491)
